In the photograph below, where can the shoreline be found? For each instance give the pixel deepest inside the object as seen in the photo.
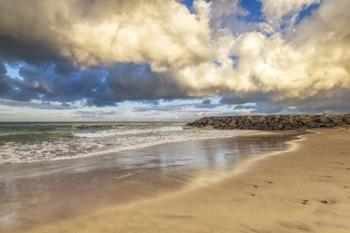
(142, 146)
(303, 190)
(292, 145)
(72, 183)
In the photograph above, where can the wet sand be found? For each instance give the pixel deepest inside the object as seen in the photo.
(33, 195)
(306, 189)
(303, 190)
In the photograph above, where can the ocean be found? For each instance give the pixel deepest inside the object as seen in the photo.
(33, 142)
(55, 171)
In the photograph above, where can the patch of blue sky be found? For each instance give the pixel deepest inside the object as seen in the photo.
(254, 8)
(307, 12)
(188, 4)
(13, 70)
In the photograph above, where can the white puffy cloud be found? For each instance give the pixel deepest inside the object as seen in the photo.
(195, 50)
(163, 33)
(315, 58)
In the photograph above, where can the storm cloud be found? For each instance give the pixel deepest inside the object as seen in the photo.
(103, 52)
(95, 86)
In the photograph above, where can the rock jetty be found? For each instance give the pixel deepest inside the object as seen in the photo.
(273, 122)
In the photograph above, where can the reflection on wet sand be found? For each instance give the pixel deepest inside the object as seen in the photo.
(34, 193)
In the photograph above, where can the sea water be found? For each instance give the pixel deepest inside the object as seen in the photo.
(30, 142)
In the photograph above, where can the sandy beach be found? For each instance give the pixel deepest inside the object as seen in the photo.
(174, 116)
(306, 189)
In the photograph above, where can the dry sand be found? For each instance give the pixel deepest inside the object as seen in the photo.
(303, 190)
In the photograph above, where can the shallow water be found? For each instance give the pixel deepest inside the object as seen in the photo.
(33, 193)
(33, 142)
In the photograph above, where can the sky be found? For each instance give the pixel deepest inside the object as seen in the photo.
(156, 60)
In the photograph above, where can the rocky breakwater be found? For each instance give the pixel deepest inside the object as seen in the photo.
(272, 122)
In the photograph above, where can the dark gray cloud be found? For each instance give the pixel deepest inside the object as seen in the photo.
(37, 53)
(208, 104)
(50, 76)
(4, 85)
(137, 82)
(97, 86)
(49, 43)
(2, 68)
(106, 86)
(35, 104)
(246, 98)
(333, 100)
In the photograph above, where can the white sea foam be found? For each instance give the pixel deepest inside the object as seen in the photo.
(96, 141)
(124, 131)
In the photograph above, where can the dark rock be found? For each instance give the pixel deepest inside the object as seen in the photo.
(273, 122)
(347, 119)
(330, 125)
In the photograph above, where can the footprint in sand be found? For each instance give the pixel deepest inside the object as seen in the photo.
(304, 202)
(328, 202)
